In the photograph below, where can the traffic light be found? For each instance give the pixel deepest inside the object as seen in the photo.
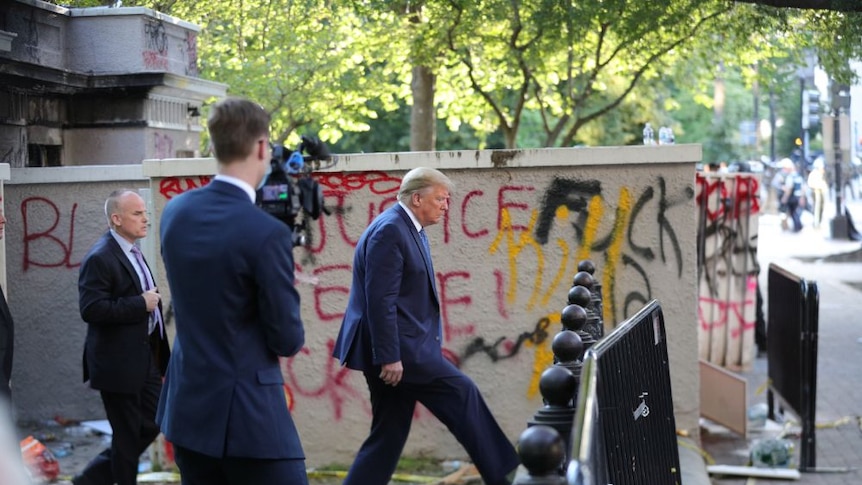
(810, 108)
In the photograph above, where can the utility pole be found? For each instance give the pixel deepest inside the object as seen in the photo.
(839, 124)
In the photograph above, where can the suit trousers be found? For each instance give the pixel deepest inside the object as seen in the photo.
(456, 402)
(199, 469)
(133, 426)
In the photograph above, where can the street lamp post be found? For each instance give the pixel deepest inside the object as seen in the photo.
(840, 105)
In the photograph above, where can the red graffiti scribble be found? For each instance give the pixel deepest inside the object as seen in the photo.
(503, 204)
(467, 232)
(747, 198)
(321, 291)
(155, 60)
(445, 287)
(714, 196)
(171, 187)
(38, 205)
(501, 293)
(341, 217)
(334, 385)
(379, 183)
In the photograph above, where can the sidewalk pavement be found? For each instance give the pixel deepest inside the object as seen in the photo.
(836, 267)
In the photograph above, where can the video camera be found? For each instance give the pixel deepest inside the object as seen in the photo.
(290, 194)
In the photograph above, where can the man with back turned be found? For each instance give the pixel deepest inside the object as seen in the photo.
(230, 269)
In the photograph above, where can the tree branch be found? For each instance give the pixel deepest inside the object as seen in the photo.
(837, 5)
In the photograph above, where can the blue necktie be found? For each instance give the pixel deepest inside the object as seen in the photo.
(425, 245)
(427, 248)
(148, 278)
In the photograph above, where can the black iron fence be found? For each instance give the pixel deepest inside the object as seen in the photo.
(794, 306)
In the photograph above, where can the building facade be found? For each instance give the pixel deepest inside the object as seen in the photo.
(96, 86)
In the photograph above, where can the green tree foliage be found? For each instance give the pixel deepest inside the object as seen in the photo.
(513, 73)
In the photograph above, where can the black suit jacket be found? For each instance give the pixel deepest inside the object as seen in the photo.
(230, 269)
(7, 341)
(118, 342)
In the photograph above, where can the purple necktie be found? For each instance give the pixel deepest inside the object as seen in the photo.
(148, 285)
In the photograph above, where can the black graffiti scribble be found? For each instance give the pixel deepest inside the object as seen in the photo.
(537, 336)
(664, 224)
(573, 194)
(731, 238)
(157, 37)
(636, 296)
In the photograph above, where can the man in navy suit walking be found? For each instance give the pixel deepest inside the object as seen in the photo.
(392, 333)
(230, 269)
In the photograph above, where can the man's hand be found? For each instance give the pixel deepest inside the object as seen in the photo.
(152, 298)
(391, 373)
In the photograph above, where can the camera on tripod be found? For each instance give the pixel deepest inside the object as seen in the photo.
(290, 194)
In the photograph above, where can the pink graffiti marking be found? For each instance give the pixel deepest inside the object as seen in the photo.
(334, 385)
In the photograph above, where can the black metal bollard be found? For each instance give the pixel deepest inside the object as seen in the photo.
(541, 450)
(557, 386)
(574, 318)
(568, 352)
(596, 307)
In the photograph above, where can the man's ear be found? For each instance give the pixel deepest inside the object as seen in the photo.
(261, 150)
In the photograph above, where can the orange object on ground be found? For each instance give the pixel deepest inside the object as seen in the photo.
(39, 459)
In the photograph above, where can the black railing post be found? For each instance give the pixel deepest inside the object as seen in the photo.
(541, 450)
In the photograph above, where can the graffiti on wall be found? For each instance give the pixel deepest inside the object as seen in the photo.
(48, 234)
(190, 52)
(163, 145)
(728, 209)
(155, 51)
(529, 237)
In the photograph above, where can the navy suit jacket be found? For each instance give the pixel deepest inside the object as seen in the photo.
(230, 270)
(393, 313)
(118, 341)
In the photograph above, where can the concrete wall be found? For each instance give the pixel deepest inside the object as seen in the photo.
(728, 215)
(519, 223)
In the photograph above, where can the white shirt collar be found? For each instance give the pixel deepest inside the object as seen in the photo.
(412, 216)
(249, 190)
(125, 245)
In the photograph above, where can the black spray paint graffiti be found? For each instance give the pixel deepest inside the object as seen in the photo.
(575, 195)
(156, 37)
(190, 51)
(503, 349)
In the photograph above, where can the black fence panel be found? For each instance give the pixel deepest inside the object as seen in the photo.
(792, 328)
(625, 432)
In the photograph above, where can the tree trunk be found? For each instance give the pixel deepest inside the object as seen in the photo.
(423, 116)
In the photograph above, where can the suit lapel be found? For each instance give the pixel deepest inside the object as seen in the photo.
(117, 251)
(411, 229)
